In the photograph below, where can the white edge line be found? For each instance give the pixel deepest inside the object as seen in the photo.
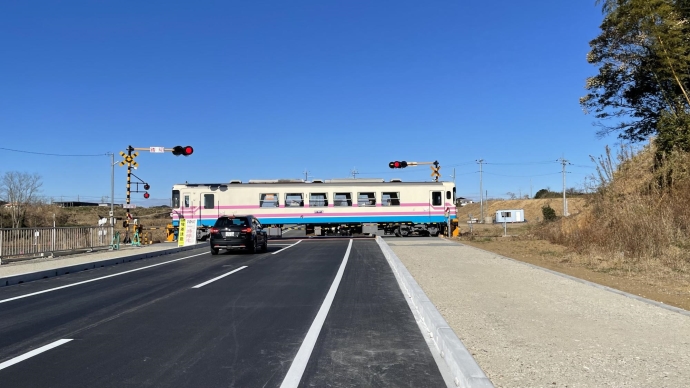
(299, 364)
(289, 246)
(101, 278)
(219, 277)
(32, 353)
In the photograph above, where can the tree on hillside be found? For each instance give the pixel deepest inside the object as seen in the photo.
(643, 84)
(19, 190)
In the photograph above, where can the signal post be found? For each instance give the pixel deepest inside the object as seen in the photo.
(435, 167)
(128, 159)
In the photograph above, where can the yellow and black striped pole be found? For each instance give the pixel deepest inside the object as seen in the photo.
(130, 162)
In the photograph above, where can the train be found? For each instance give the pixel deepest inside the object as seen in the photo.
(324, 207)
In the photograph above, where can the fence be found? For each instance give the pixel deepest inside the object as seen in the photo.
(35, 242)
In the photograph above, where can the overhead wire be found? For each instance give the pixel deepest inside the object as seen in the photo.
(51, 154)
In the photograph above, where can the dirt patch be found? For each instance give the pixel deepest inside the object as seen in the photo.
(668, 288)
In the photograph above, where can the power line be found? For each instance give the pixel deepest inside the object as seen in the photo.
(521, 176)
(520, 163)
(49, 154)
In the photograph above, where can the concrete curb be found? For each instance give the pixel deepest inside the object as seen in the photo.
(587, 282)
(47, 273)
(466, 372)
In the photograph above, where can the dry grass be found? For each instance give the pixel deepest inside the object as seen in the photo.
(532, 207)
(42, 215)
(637, 223)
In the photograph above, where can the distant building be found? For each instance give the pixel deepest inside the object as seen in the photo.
(510, 216)
(75, 204)
(460, 201)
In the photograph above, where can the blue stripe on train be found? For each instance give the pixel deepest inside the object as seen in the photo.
(336, 220)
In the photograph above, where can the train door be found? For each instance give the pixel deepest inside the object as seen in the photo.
(435, 203)
(186, 205)
(207, 207)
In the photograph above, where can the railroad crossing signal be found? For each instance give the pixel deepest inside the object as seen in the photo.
(129, 158)
(146, 195)
(397, 164)
(435, 167)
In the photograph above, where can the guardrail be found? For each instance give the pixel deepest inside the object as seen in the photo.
(28, 243)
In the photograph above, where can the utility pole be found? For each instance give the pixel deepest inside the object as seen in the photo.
(354, 173)
(481, 190)
(306, 175)
(565, 204)
(112, 192)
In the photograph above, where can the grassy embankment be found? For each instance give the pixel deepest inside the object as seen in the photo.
(632, 234)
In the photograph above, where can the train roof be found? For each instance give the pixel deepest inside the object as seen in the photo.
(339, 182)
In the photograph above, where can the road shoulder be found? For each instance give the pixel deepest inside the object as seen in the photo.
(529, 327)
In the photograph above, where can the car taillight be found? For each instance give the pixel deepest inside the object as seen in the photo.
(215, 230)
(247, 230)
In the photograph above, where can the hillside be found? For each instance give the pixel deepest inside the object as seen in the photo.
(532, 207)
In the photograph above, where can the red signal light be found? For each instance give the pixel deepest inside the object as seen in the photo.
(397, 164)
(179, 150)
(146, 195)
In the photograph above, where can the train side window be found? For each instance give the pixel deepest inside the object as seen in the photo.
(390, 199)
(448, 194)
(186, 201)
(208, 201)
(366, 199)
(318, 199)
(176, 199)
(268, 200)
(454, 197)
(436, 198)
(294, 200)
(342, 199)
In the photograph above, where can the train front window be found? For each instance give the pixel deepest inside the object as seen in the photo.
(208, 201)
(176, 199)
(186, 201)
(436, 198)
(390, 199)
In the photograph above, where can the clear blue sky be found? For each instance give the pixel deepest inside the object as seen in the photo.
(267, 89)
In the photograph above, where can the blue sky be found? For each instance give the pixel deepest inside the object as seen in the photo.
(267, 89)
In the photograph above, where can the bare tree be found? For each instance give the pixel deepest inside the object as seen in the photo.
(511, 195)
(19, 189)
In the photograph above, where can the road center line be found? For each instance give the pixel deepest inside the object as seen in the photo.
(219, 277)
(32, 353)
(93, 280)
(289, 246)
(299, 364)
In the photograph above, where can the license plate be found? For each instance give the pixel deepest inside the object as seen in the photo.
(230, 234)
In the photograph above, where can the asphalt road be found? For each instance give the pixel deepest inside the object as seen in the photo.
(317, 313)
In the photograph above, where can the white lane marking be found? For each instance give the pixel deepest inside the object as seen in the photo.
(277, 245)
(289, 246)
(32, 353)
(219, 277)
(93, 280)
(299, 364)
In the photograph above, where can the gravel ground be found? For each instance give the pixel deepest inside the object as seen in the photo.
(530, 328)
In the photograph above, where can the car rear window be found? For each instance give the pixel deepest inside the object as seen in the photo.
(225, 222)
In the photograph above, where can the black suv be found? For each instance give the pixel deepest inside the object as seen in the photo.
(238, 232)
